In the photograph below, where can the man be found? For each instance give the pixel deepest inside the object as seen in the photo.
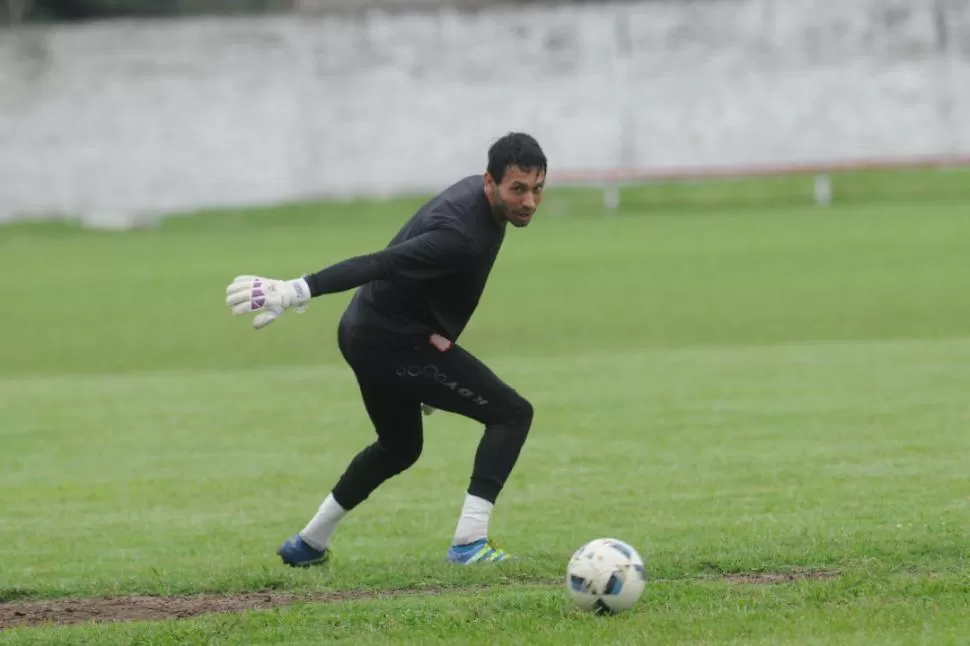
(399, 333)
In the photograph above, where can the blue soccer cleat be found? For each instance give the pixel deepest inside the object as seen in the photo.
(481, 551)
(296, 553)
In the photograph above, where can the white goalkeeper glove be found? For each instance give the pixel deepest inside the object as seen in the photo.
(269, 297)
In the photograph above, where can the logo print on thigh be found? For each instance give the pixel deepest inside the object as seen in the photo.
(431, 372)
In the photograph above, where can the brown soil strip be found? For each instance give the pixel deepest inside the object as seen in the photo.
(146, 608)
(21, 614)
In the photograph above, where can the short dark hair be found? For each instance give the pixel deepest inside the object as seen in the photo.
(515, 149)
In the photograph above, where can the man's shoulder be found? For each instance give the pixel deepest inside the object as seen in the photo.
(456, 207)
(467, 195)
(456, 213)
(470, 185)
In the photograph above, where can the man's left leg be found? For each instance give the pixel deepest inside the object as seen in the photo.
(449, 378)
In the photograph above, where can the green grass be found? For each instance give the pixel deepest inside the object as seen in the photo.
(754, 390)
(860, 611)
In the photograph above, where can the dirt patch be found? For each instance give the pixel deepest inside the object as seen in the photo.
(61, 612)
(22, 614)
(766, 578)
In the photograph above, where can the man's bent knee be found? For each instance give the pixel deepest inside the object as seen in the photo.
(521, 420)
(401, 456)
(524, 412)
(514, 412)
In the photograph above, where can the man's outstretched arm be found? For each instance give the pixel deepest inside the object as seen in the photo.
(428, 255)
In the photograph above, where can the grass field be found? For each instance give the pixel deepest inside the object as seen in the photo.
(771, 404)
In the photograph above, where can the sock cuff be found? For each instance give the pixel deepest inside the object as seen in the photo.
(478, 503)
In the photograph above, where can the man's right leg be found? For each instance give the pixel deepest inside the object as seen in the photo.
(400, 439)
(396, 417)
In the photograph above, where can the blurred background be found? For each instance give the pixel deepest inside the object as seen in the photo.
(119, 111)
(741, 314)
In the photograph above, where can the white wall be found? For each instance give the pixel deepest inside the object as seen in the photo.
(120, 118)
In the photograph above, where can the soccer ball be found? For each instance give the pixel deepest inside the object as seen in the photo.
(605, 576)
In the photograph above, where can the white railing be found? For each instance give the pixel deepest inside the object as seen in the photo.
(821, 174)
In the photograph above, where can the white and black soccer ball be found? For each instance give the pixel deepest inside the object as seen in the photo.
(605, 576)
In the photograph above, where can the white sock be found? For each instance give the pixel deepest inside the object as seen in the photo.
(473, 522)
(319, 530)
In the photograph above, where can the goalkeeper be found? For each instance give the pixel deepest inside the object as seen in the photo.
(399, 334)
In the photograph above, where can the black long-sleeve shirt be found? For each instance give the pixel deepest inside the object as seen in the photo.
(431, 276)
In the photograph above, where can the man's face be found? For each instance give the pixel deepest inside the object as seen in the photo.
(516, 199)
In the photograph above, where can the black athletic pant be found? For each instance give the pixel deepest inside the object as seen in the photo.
(395, 379)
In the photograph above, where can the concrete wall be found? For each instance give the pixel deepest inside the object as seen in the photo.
(120, 118)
